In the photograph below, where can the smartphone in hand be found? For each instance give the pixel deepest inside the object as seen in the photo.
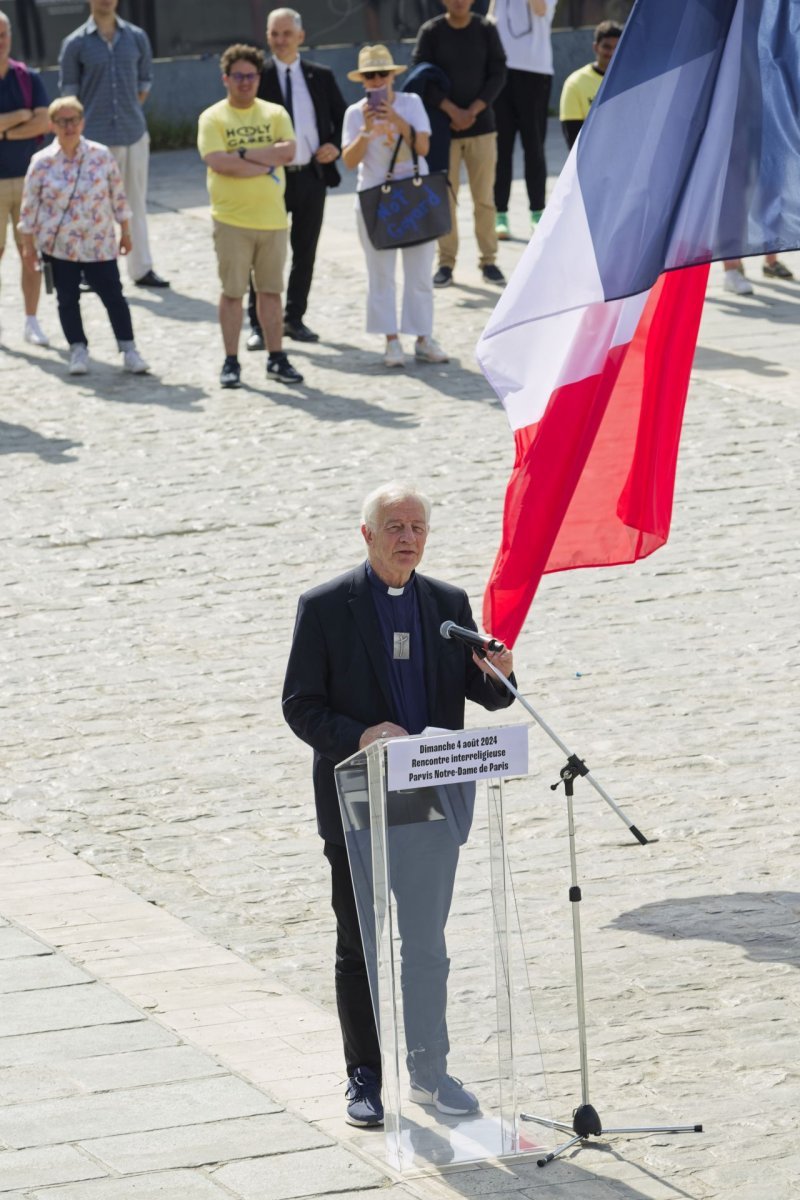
(376, 97)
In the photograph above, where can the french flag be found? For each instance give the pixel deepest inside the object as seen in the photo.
(690, 154)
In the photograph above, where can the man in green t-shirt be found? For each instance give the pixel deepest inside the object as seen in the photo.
(581, 87)
(245, 143)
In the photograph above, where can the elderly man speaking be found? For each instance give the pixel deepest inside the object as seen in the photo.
(367, 662)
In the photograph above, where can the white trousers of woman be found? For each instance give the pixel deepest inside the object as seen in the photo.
(417, 312)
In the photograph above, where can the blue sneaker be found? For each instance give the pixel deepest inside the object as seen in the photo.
(448, 1096)
(363, 1095)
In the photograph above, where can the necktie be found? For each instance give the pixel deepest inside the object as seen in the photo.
(288, 96)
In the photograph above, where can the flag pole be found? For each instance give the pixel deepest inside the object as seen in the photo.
(586, 1121)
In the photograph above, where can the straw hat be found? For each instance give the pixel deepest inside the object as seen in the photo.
(374, 58)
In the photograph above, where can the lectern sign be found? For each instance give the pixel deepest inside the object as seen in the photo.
(457, 757)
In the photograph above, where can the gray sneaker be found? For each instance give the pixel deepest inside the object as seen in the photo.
(78, 359)
(133, 362)
(448, 1096)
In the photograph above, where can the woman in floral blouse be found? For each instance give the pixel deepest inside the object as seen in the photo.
(71, 199)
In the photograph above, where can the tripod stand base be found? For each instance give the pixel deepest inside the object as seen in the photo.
(586, 1123)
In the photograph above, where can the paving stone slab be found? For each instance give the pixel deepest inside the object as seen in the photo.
(83, 1004)
(37, 973)
(197, 1145)
(44, 1166)
(308, 1173)
(16, 943)
(104, 1073)
(129, 1110)
(65, 1044)
(166, 1185)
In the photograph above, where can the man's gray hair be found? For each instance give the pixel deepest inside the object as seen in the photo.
(392, 493)
(7, 20)
(286, 12)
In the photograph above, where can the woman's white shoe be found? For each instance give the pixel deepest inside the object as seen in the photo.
(393, 355)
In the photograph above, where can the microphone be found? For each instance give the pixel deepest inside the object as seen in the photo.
(479, 641)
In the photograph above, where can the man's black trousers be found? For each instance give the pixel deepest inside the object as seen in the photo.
(521, 108)
(305, 203)
(424, 858)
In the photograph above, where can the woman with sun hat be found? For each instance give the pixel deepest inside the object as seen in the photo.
(370, 134)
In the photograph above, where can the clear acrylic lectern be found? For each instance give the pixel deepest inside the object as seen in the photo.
(447, 978)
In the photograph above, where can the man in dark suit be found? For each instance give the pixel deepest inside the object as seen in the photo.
(315, 104)
(367, 662)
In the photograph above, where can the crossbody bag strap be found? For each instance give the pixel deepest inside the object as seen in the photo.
(66, 209)
(415, 157)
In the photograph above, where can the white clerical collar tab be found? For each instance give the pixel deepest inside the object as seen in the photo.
(396, 591)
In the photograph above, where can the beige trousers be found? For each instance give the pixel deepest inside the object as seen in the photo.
(479, 155)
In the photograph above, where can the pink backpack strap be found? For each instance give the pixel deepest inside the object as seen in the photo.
(24, 80)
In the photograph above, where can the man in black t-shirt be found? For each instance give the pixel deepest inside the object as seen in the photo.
(23, 119)
(469, 51)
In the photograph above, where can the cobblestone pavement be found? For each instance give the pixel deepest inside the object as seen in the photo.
(157, 533)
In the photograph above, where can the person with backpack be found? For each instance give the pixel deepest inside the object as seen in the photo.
(23, 120)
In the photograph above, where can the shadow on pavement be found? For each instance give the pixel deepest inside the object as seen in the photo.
(19, 439)
(329, 406)
(563, 1177)
(773, 303)
(708, 359)
(178, 306)
(447, 378)
(110, 383)
(765, 924)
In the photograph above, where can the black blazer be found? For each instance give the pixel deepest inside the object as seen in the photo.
(337, 677)
(329, 106)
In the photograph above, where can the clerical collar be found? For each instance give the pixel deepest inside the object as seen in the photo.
(380, 586)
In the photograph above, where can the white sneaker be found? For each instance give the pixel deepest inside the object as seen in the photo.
(78, 359)
(393, 355)
(34, 333)
(429, 350)
(734, 281)
(133, 362)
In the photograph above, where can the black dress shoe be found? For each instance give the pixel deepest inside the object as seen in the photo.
(255, 340)
(299, 331)
(152, 280)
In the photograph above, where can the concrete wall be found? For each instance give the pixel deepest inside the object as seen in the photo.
(183, 87)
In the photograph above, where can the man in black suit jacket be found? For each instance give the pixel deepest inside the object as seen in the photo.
(368, 662)
(316, 106)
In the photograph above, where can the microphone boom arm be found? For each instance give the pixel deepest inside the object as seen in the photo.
(574, 765)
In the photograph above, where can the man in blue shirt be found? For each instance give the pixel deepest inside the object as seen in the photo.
(23, 119)
(108, 64)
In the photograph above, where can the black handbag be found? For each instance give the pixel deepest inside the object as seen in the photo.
(406, 212)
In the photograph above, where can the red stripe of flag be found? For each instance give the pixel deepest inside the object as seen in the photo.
(593, 480)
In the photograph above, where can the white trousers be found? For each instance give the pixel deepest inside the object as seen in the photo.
(417, 312)
(134, 163)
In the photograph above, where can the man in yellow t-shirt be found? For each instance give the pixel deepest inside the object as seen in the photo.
(581, 87)
(245, 143)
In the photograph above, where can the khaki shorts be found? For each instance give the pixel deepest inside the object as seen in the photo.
(240, 251)
(10, 201)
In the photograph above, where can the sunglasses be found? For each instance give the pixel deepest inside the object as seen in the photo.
(243, 76)
(375, 74)
(64, 121)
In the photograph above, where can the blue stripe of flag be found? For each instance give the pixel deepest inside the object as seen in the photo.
(691, 151)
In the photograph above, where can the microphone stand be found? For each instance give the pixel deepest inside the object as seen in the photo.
(585, 1119)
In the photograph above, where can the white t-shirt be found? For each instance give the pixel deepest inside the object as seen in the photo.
(525, 37)
(375, 163)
